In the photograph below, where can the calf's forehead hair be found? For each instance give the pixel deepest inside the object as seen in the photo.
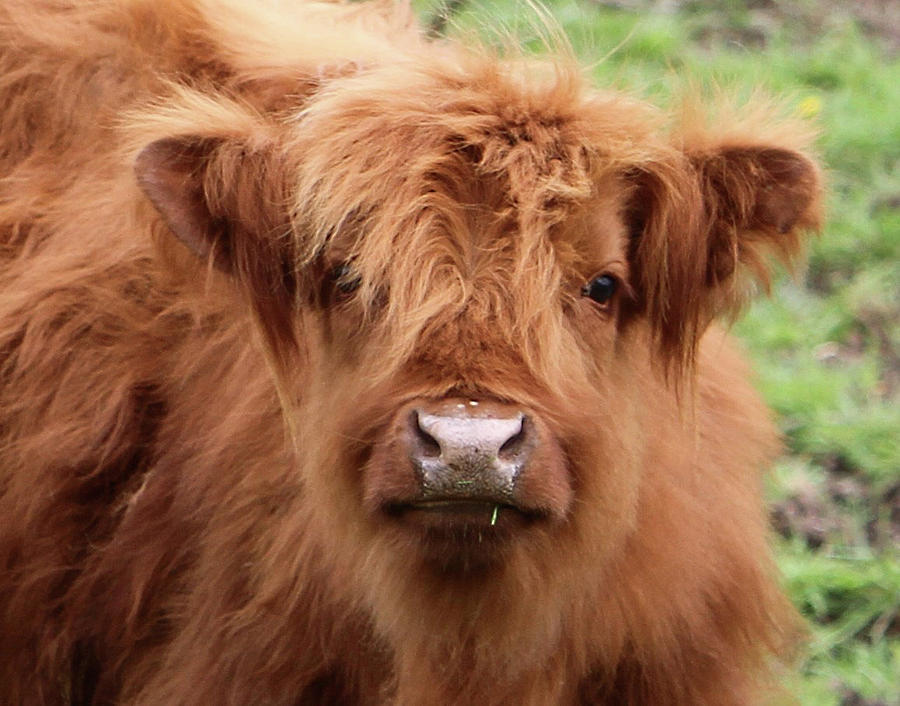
(404, 168)
(390, 138)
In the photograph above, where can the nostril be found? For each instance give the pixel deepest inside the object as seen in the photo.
(514, 443)
(463, 440)
(426, 444)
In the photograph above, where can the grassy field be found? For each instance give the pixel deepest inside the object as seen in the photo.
(827, 345)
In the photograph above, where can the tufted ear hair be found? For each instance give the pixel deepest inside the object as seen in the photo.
(706, 224)
(758, 202)
(227, 202)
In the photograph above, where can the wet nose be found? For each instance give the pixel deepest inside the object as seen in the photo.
(463, 451)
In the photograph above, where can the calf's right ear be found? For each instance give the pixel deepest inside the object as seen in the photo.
(227, 201)
(171, 173)
(219, 197)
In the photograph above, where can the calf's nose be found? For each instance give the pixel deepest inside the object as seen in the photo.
(462, 451)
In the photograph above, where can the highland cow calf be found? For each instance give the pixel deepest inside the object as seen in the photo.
(338, 366)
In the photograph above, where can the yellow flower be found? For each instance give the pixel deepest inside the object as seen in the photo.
(810, 106)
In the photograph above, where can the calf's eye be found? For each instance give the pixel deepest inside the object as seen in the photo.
(344, 279)
(601, 288)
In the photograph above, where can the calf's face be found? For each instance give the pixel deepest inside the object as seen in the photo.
(475, 295)
(471, 363)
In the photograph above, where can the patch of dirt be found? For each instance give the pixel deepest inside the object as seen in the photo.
(843, 511)
(880, 18)
(753, 22)
(853, 698)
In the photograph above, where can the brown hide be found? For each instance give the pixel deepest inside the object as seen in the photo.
(338, 366)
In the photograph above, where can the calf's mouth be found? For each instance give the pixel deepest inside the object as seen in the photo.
(455, 512)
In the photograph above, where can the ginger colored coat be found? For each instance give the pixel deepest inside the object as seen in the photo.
(338, 366)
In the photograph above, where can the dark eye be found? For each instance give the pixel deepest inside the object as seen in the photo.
(344, 279)
(600, 289)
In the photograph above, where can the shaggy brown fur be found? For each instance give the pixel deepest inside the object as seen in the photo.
(241, 242)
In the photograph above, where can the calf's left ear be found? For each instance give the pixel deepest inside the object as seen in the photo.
(703, 220)
(758, 201)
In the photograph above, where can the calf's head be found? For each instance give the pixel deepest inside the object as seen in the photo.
(480, 291)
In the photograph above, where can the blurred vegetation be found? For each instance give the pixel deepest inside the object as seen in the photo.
(827, 344)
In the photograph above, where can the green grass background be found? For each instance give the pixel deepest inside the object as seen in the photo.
(826, 346)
